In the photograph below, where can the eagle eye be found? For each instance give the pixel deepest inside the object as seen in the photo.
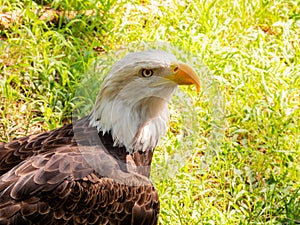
(147, 73)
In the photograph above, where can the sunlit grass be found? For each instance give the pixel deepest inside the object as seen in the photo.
(246, 171)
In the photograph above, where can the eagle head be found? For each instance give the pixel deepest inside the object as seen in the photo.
(133, 99)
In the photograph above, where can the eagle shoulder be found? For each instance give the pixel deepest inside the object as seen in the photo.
(55, 183)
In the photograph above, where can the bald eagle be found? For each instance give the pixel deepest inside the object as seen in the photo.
(96, 170)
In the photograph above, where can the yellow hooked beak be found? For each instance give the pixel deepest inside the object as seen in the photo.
(184, 75)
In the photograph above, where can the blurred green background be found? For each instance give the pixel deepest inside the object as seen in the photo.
(240, 140)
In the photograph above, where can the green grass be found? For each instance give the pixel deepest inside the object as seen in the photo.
(241, 155)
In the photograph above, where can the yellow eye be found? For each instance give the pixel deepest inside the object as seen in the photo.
(147, 73)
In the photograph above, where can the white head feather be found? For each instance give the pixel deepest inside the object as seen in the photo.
(133, 108)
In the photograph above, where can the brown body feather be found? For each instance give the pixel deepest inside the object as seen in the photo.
(74, 175)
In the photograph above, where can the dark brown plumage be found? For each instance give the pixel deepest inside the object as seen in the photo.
(55, 185)
(96, 170)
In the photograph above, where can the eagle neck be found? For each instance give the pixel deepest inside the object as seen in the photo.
(137, 127)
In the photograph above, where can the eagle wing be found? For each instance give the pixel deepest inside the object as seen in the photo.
(54, 181)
